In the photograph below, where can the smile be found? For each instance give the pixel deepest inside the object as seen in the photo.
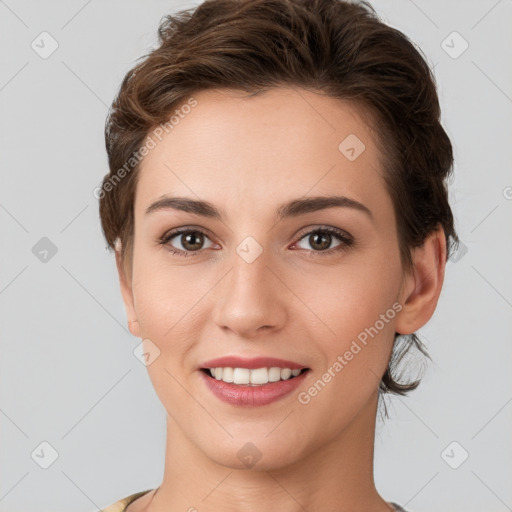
(261, 391)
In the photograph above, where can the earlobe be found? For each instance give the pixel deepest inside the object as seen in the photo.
(126, 293)
(423, 286)
(133, 326)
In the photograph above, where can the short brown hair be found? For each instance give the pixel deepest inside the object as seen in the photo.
(336, 47)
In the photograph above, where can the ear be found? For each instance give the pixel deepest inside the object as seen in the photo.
(421, 289)
(126, 292)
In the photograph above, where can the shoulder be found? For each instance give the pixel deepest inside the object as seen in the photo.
(399, 508)
(122, 504)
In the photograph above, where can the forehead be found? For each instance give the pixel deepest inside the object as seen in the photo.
(280, 144)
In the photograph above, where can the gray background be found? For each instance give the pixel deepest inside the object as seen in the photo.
(68, 374)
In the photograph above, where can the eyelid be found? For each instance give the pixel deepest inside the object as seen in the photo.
(323, 227)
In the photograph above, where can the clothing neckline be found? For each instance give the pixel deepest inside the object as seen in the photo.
(132, 497)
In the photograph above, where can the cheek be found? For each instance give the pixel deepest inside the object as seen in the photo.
(359, 305)
(164, 296)
(344, 300)
(359, 310)
(165, 311)
(352, 295)
(365, 296)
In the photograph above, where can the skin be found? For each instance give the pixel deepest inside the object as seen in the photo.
(247, 156)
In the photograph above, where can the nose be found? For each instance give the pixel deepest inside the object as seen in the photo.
(250, 299)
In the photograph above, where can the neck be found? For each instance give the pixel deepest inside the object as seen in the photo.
(334, 476)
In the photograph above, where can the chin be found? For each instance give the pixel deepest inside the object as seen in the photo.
(254, 452)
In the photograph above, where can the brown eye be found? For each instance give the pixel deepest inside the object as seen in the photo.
(321, 239)
(189, 242)
(192, 241)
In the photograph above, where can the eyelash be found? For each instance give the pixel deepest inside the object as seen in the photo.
(347, 241)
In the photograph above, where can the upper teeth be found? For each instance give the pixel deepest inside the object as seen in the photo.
(256, 376)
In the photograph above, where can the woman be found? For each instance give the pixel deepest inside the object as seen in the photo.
(278, 207)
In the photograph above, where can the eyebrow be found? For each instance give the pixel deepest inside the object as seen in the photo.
(292, 208)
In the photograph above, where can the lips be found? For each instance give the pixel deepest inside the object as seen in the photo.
(252, 396)
(252, 363)
(244, 394)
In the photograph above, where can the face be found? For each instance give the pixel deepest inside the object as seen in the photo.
(317, 284)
